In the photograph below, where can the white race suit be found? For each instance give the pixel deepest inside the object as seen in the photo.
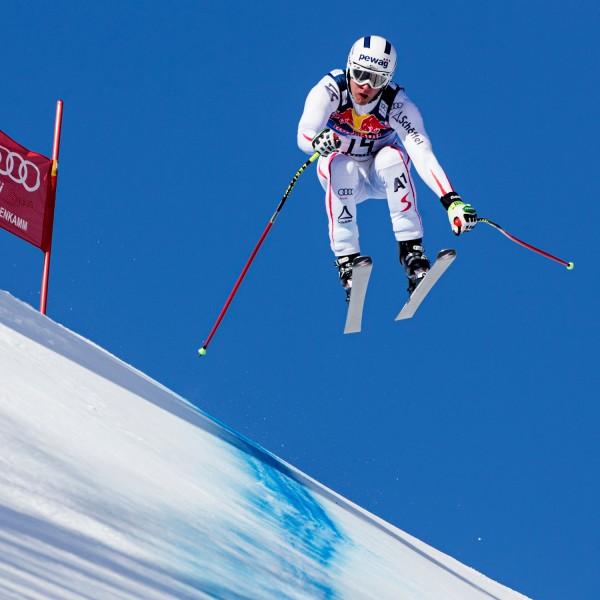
(379, 142)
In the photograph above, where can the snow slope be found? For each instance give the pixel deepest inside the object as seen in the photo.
(111, 486)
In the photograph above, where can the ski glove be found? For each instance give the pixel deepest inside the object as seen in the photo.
(462, 217)
(326, 142)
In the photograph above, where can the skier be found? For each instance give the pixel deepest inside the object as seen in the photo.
(367, 132)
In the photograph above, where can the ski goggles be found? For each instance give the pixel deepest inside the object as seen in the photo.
(375, 80)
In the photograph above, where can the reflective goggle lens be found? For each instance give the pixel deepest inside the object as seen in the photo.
(375, 80)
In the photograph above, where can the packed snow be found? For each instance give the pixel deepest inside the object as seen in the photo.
(113, 487)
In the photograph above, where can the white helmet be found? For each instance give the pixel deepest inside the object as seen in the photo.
(372, 60)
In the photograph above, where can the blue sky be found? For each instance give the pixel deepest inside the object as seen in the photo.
(474, 426)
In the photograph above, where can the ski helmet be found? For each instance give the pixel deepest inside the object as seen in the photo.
(372, 60)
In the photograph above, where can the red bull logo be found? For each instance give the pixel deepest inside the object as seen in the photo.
(345, 118)
(371, 124)
(362, 124)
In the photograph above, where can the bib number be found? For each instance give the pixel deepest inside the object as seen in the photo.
(364, 143)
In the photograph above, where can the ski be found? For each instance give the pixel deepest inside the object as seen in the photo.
(444, 259)
(361, 271)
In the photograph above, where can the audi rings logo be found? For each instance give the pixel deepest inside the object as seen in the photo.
(345, 192)
(20, 170)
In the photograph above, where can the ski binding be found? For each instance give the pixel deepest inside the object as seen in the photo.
(444, 259)
(361, 271)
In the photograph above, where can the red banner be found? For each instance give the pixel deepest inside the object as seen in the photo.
(25, 199)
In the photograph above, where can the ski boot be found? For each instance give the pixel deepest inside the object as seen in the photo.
(414, 261)
(344, 265)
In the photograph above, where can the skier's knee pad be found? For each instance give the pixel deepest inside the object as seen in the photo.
(344, 171)
(388, 157)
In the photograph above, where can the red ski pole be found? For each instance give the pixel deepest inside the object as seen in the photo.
(203, 348)
(513, 238)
